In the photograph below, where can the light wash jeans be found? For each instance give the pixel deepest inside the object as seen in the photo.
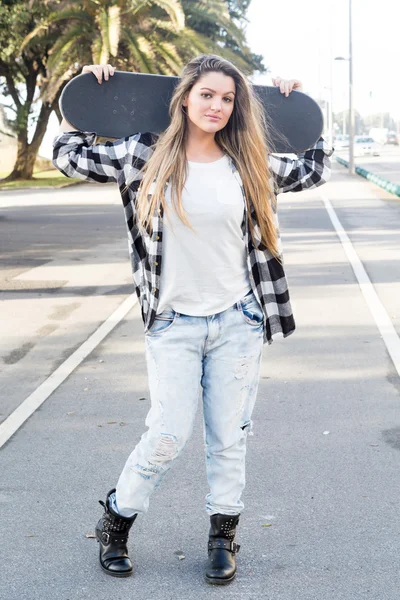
(220, 353)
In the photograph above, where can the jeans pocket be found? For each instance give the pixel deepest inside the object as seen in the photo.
(162, 322)
(251, 310)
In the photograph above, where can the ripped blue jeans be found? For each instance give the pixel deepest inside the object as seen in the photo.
(221, 354)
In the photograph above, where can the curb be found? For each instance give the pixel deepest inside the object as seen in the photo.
(393, 188)
(44, 187)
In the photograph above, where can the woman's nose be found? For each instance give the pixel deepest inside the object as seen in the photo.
(216, 105)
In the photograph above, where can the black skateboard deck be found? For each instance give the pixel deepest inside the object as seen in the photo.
(129, 103)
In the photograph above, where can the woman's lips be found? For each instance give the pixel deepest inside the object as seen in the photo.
(212, 118)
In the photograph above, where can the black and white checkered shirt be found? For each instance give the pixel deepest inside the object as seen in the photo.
(75, 155)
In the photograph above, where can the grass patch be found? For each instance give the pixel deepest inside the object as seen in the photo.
(41, 179)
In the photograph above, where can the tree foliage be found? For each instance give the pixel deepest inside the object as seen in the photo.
(44, 43)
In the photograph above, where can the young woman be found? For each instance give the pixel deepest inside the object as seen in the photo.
(210, 283)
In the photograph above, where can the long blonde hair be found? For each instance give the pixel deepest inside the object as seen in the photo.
(244, 139)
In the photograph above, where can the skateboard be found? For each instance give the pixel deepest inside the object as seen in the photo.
(129, 103)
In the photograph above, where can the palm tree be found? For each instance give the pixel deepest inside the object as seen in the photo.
(148, 36)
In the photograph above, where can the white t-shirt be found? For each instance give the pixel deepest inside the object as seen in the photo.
(206, 273)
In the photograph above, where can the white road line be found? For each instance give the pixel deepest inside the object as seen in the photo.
(376, 307)
(36, 399)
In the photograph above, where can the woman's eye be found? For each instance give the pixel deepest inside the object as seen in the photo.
(227, 98)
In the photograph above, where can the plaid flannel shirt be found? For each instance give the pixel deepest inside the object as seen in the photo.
(76, 155)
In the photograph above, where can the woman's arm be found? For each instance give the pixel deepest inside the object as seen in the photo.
(65, 126)
(76, 154)
(311, 168)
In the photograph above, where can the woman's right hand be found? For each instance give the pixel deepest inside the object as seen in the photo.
(99, 70)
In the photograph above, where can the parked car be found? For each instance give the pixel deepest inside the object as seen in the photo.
(341, 141)
(366, 145)
(392, 138)
(378, 134)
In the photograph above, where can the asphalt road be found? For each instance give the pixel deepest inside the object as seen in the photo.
(321, 518)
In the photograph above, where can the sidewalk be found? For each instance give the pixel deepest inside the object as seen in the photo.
(321, 499)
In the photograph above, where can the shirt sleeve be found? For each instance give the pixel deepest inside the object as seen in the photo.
(76, 155)
(310, 169)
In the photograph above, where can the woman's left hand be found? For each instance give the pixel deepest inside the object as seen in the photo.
(287, 85)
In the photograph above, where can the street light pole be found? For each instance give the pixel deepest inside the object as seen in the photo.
(330, 114)
(351, 100)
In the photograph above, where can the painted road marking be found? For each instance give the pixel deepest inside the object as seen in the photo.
(378, 311)
(36, 399)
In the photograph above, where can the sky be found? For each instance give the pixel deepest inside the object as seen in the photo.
(299, 40)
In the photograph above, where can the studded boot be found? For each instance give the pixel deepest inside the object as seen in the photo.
(112, 532)
(221, 565)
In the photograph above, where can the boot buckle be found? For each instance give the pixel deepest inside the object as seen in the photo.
(105, 537)
(223, 543)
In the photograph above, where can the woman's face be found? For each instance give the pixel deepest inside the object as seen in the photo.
(213, 94)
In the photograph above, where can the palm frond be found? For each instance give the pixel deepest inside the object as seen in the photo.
(216, 13)
(39, 28)
(69, 14)
(54, 17)
(97, 49)
(65, 42)
(141, 59)
(103, 27)
(193, 42)
(217, 7)
(147, 49)
(163, 25)
(174, 10)
(134, 6)
(114, 18)
(64, 72)
(168, 53)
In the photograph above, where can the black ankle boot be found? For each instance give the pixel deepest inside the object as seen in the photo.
(221, 565)
(112, 532)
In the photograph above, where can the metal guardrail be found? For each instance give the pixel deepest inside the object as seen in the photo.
(393, 188)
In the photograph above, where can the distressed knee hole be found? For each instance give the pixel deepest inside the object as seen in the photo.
(146, 472)
(166, 449)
